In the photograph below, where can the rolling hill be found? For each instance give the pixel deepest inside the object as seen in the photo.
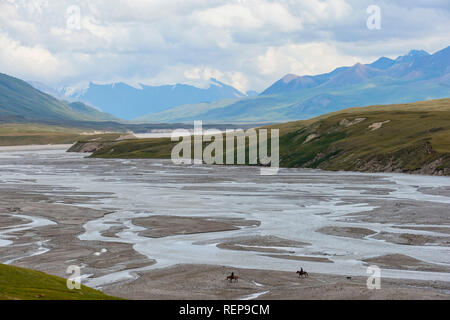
(408, 138)
(414, 77)
(20, 102)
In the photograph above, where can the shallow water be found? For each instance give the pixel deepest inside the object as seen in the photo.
(291, 205)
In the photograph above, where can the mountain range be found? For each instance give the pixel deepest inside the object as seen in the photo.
(412, 77)
(416, 65)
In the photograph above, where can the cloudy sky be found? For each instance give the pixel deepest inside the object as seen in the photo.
(246, 43)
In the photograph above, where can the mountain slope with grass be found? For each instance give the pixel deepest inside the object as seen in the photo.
(303, 104)
(25, 284)
(20, 102)
(408, 138)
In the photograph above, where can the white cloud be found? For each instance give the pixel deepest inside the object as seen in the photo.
(29, 61)
(302, 59)
(321, 13)
(246, 43)
(249, 15)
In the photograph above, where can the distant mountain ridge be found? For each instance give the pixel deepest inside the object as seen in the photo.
(413, 77)
(19, 101)
(127, 102)
(416, 65)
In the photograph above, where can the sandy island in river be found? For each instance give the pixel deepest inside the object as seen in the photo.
(208, 282)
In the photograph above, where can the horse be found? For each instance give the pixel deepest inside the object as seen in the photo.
(302, 274)
(233, 277)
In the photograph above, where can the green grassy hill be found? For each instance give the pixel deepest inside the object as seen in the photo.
(23, 284)
(403, 138)
(412, 138)
(19, 101)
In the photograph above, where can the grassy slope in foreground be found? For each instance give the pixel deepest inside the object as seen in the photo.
(24, 284)
(413, 138)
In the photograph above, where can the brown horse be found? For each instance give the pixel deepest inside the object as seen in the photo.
(302, 273)
(232, 277)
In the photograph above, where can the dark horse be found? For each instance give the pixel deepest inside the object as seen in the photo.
(302, 273)
(233, 277)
